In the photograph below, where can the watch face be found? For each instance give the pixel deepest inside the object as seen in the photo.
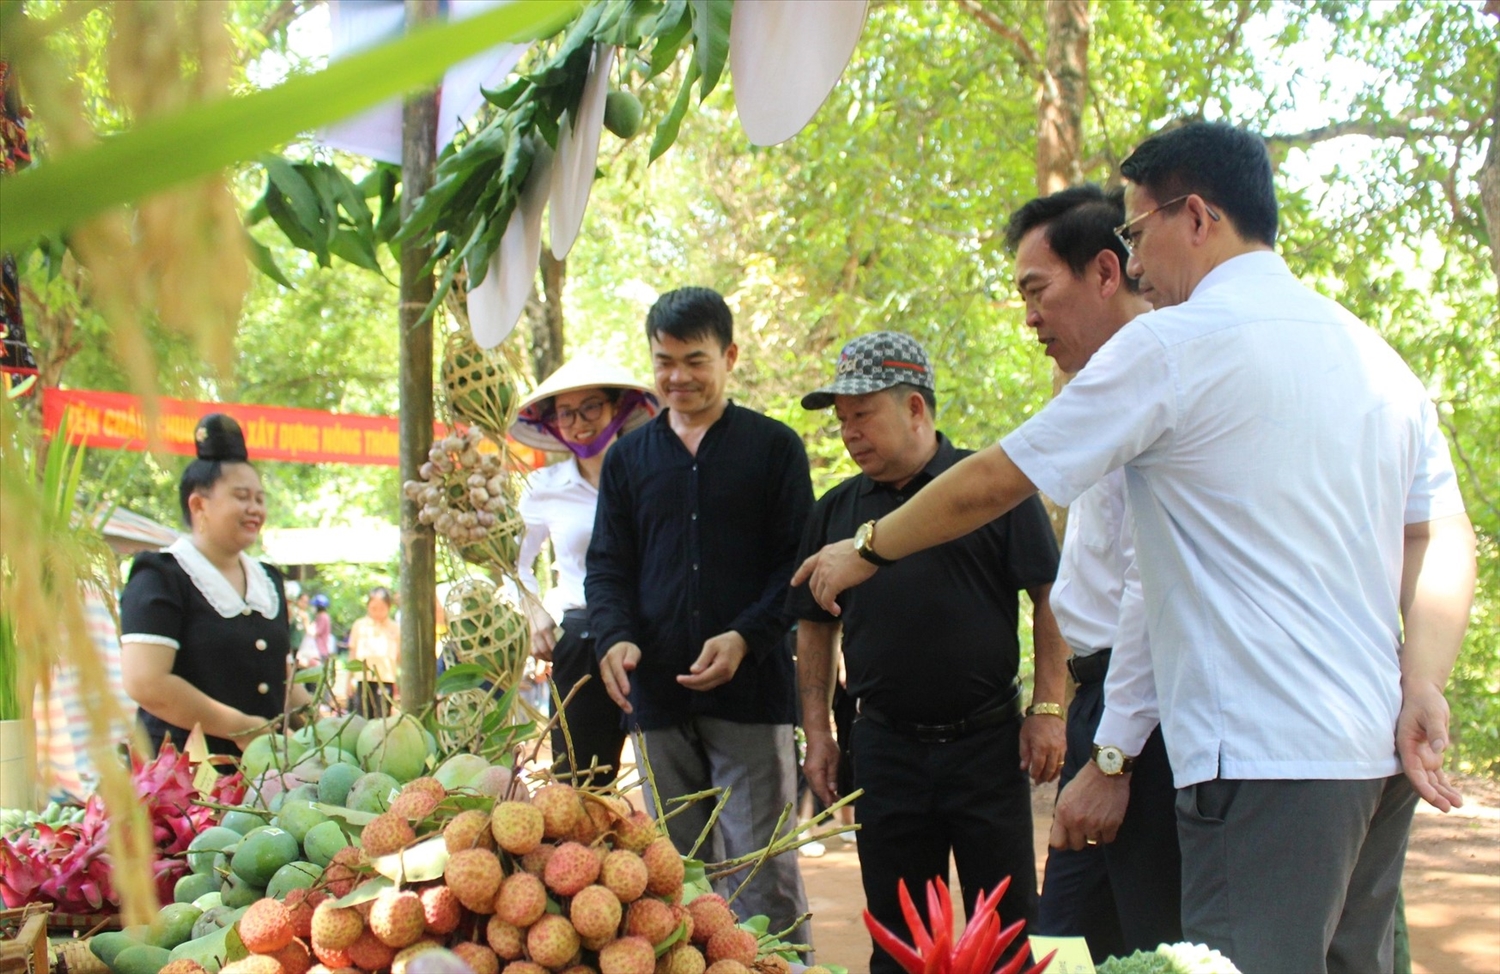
(862, 537)
(1111, 760)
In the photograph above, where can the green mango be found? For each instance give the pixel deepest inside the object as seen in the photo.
(141, 959)
(107, 946)
(173, 925)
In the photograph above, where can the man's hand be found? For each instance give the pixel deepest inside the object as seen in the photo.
(1044, 742)
(543, 630)
(1090, 809)
(821, 767)
(716, 665)
(1421, 739)
(832, 570)
(615, 668)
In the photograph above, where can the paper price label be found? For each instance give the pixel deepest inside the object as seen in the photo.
(1072, 954)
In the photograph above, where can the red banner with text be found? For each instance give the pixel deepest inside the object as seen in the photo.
(115, 420)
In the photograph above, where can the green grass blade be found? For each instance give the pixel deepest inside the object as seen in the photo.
(163, 152)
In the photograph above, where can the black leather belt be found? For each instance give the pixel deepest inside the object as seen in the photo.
(946, 733)
(1091, 668)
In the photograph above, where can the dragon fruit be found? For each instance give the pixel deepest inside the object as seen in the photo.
(68, 866)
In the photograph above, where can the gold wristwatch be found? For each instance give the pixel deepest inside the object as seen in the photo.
(1112, 761)
(864, 545)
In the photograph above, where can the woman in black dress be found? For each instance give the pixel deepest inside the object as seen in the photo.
(206, 639)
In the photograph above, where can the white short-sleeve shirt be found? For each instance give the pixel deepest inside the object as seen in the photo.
(1274, 449)
(558, 503)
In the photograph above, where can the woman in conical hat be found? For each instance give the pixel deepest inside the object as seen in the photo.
(580, 409)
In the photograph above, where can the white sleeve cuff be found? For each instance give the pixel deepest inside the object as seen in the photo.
(150, 639)
(1129, 734)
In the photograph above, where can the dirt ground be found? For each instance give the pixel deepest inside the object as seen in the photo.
(1452, 888)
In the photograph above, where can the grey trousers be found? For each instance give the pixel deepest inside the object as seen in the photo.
(1295, 877)
(758, 763)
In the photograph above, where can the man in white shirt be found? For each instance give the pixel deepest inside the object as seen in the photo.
(1305, 557)
(1122, 889)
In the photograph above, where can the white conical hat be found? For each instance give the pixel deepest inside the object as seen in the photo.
(577, 373)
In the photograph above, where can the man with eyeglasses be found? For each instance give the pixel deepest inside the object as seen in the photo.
(1305, 558)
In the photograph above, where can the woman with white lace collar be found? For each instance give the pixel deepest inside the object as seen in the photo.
(206, 639)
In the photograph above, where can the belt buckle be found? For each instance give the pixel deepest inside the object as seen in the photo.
(939, 733)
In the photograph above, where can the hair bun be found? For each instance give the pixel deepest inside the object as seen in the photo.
(219, 437)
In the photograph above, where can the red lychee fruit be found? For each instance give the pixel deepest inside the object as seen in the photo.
(521, 901)
(266, 927)
(474, 876)
(300, 902)
(406, 962)
(441, 909)
(524, 967)
(481, 959)
(561, 810)
(397, 918)
(183, 966)
(571, 868)
(344, 870)
(294, 958)
(469, 830)
(628, 955)
(334, 927)
(505, 939)
(650, 918)
(386, 833)
(663, 867)
(535, 861)
(727, 966)
(684, 919)
(710, 915)
(681, 958)
(334, 960)
(370, 952)
(732, 944)
(419, 798)
(625, 875)
(552, 941)
(517, 826)
(635, 832)
(595, 913)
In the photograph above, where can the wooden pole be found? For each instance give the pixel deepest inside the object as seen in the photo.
(418, 562)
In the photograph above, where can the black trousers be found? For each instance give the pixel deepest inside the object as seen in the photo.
(1127, 895)
(923, 801)
(594, 722)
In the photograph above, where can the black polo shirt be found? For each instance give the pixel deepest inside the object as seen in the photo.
(686, 547)
(932, 638)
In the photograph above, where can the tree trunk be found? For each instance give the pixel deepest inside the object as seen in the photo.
(546, 318)
(1061, 95)
(1489, 182)
(1063, 91)
(418, 581)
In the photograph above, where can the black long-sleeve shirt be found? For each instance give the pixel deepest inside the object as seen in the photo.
(688, 547)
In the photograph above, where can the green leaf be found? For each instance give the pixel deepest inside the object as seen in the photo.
(669, 41)
(349, 815)
(364, 892)
(293, 184)
(675, 936)
(423, 861)
(202, 139)
(760, 925)
(356, 248)
(666, 129)
(504, 98)
(300, 236)
(464, 676)
(711, 40)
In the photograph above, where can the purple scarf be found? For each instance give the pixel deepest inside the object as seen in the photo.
(629, 401)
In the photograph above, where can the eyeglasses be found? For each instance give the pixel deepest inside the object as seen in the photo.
(588, 411)
(1126, 236)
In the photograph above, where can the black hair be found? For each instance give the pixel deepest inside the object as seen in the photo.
(1227, 166)
(903, 389)
(383, 593)
(219, 441)
(1079, 222)
(691, 312)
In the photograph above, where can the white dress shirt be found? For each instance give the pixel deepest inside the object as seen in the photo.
(1274, 449)
(558, 503)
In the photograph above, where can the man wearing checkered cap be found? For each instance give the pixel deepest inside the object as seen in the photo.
(941, 746)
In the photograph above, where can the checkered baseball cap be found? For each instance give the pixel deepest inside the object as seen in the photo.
(871, 363)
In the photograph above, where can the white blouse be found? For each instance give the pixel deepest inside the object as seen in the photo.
(558, 503)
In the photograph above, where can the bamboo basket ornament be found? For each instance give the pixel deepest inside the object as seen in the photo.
(480, 385)
(484, 629)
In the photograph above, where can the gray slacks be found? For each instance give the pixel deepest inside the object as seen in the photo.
(758, 763)
(1295, 877)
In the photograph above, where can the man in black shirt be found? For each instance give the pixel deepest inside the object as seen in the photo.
(695, 539)
(931, 651)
